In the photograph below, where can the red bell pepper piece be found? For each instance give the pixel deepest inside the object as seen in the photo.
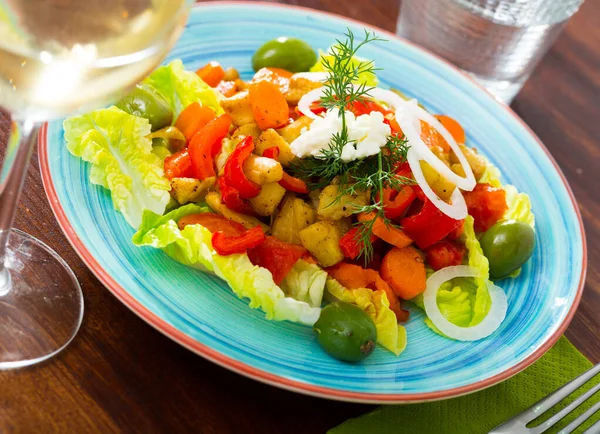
(428, 226)
(234, 172)
(365, 106)
(444, 254)
(395, 202)
(350, 244)
(420, 194)
(205, 145)
(403, 170)
(228, 245)
(212, 222)
(276, 256)
(272, 152)
(486, 204)
(178, 165)
(231, 198)
(293, 184)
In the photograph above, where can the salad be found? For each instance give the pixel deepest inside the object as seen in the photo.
(317, 195)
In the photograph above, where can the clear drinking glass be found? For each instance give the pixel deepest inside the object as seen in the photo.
(59, 57)
(498, 42)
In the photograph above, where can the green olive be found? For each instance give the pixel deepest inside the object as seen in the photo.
(291, 54)
(346, 332)
(146, 102)
(507, 245)
(169, 137)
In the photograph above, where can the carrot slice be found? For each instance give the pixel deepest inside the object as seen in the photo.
(212, 73)
(192, 118)
(212, 222)
(354, 276)
(453, 127)
(404, 270)
(389, 234)
(268, 103)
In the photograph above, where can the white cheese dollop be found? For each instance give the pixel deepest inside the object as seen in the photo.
(367, 133)
(312, 141)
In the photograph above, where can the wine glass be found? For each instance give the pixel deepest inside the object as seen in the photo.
(59, 57)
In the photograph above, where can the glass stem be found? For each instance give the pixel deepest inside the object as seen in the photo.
(20, 146)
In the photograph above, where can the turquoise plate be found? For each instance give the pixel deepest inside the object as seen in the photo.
(201, 313)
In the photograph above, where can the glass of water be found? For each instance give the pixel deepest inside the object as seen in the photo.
(498, 42)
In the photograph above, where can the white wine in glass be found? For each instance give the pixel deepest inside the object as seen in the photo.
(57, 58)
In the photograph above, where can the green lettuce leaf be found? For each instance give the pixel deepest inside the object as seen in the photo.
(369, 78)
(305, 282)
(519, 206)
(463, 301)
(491, 175)
(115, 143)
(192, 246)
(181, 88)
(390, 334)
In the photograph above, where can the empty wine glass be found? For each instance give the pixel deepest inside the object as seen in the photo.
(59, 57)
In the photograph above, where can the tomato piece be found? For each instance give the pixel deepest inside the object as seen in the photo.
(444, 254)
(226, 245)
(211, 73)
(486, 204)
(233, 171)
(204, 145)
(457, 233)
(192, 118)
(212, 222)
(276, 256)
(291, 183)
(178, 165)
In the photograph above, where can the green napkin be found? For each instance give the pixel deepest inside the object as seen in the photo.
(480, 412)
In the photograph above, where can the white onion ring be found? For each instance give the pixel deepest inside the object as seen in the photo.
(313, 76)
(485, 328)
(408, 123)
(407, 114)
(456, 209)
(307, 99)
(387, 96)
(468, 182)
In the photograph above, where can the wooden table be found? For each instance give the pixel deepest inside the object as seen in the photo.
(119, 374)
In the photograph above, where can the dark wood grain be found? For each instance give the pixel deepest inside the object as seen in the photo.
(120, 375)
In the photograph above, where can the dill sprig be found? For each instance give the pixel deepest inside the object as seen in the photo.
(373, 174)
(343, 72)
